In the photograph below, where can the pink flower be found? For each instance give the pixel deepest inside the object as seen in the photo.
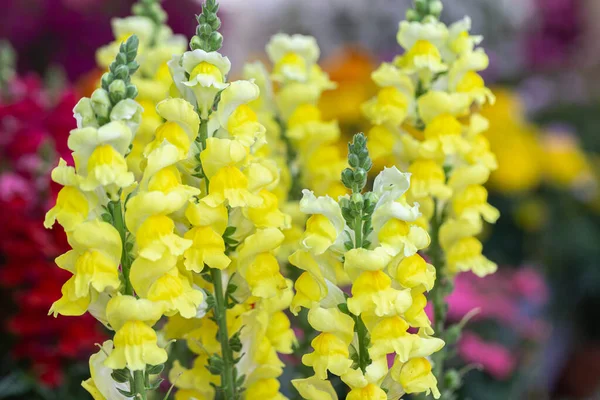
(529, 284)
(14, 186)
(495, 359)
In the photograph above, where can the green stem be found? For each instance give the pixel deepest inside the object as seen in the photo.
(119, 223)
(358, 232)
(438, 296)
(359, 325)
(116, 209)
(139, 387)
(202, 136)
(228, 374)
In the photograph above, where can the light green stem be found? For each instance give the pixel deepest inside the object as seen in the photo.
(139, 387)
(359, 325)
(119, 223)
(202, 136)
(228, 374)
(438, 297)
(138, 383)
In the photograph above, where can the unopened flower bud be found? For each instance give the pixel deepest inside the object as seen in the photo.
(353, 160)
(347, 178)
(435, 8)
(121, 72)
(215, 41)
(412, 15)
(101, 103)
(204, 29)
(117, 87)
(196, 43)
(360, 177)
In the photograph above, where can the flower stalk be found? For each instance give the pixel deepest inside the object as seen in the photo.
(427, 106)
(438, 295)
(117, 217)
(228, 374)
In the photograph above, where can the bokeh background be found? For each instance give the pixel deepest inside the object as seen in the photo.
(537, 332)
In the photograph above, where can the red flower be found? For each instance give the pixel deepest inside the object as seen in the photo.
(29, 121)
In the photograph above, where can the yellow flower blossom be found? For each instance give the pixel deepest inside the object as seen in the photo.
(314, 388)
(175, 291)
(369, 392)
(230, 185)
(372, 293)
(415, 376)
(135, 341)
(330, 354)
(207, 248)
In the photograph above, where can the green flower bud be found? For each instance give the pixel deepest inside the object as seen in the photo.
(101, 103)
(106, 79)
(196, 43)
(121, 58)
(132, 92)
(117, 87)
(204, 29)
(360, 177)
(353, 160)
(348, 178)
(421, 6)
(121, 72)
(435, 8)
(367, 164)
(215, 41)
(412, 15)
(117, 91)
(212, 17)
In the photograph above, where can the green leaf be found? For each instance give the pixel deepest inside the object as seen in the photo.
(231, 288)
(126, 393)
(155, 385)
(155, 369)
(240, 380)
(343, 307)
(230, 230)
(210, 301)
(121, 375)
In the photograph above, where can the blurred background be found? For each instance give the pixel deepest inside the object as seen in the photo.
(537, 335)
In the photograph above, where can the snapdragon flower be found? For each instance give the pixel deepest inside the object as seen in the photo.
(369, 237)
(427, 112)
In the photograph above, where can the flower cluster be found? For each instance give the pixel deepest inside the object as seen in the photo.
(231, 225)
(92, 207)
(426, 119)
(290, 96)
(173, 211)
(157, 44)
(372, 240)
